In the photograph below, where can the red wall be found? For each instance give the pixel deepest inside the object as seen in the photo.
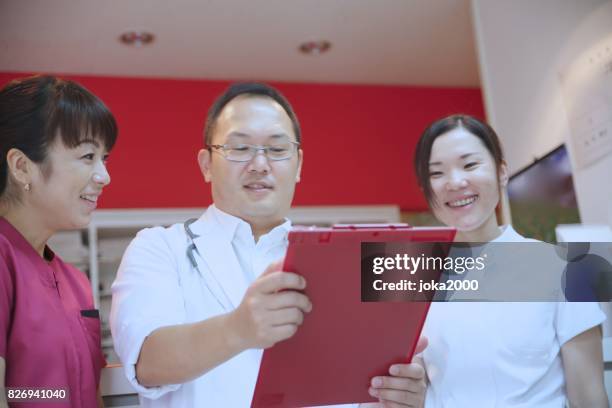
(358, 140)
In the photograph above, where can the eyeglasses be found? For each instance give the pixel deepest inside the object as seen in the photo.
(246, 152)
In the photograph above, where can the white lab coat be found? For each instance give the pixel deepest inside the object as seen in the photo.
(156, 286)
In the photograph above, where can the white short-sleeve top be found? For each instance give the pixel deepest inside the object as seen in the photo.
(494, 354)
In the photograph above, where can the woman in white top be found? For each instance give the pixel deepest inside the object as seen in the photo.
(493, 354)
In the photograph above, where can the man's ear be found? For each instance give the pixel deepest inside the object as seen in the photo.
(20, 166)
(204, 158)
(299, 169)
(503, 173)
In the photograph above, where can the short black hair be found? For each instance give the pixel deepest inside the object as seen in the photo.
(422, 154)
(36, 109)
(252, 89)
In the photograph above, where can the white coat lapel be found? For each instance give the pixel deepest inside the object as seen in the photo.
(217, 258)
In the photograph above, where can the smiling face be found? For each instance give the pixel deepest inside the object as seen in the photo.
(66, 187)
(465, 184)
(259, 191)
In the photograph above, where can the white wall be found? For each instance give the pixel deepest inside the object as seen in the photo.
(524, 46)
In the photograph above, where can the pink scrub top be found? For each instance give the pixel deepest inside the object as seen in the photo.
(49, 330)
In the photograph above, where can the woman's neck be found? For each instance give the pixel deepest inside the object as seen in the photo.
(29, 225)
(485, 233)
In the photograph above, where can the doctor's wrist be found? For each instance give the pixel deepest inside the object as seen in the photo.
(234, 336)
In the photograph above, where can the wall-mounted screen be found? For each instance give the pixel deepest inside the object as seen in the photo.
(542, 195)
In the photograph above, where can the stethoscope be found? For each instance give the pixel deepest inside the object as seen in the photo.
(191, 247)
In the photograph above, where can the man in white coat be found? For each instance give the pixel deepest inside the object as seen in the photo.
(195, 304)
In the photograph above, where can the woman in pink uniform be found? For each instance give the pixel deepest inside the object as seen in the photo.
(54, 142)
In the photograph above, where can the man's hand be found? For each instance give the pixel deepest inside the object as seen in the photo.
(271, 310)
(406, 385)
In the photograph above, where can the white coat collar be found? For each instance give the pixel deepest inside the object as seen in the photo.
(215, 232)
(237, 228)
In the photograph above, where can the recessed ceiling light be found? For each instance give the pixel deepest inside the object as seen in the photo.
(137, 38)
(315, 47)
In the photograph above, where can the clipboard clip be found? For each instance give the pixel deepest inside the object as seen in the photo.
(393, 226)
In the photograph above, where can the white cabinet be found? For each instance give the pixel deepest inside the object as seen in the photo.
(98, 250)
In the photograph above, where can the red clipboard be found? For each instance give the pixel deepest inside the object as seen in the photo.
(343, 342)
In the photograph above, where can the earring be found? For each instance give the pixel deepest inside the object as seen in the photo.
(27, 187)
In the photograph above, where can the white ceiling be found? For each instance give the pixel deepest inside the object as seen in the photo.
(408, 42)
